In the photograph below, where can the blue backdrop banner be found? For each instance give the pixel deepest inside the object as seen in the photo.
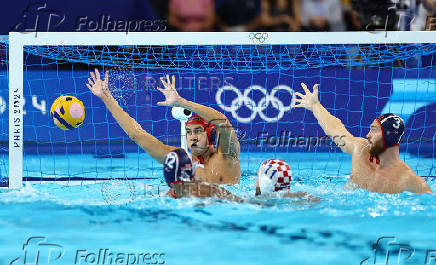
(259, 106)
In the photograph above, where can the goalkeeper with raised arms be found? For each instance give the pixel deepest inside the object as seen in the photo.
(210, 137)
(376, 165)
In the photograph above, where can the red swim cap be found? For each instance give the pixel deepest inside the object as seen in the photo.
(208, 127)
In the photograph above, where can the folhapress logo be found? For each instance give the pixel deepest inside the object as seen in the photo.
(36, 251)
(37, 17)
(388, 251)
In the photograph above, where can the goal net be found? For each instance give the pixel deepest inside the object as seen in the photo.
(250, 77)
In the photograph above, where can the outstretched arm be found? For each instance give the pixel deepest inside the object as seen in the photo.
(149, 143)
(228, 141)
(203, 190)
(331, 125)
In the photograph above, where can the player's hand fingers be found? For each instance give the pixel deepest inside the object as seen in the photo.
(174, 81)
(315, 89)
(298, 100)
(93, 77)
(97, 73)
(90, 82)
(162, 103)
(106, 76)
(303, 85)
(299, 94)
(168, 79)
(90, 88)
(163, 82)
(299, 106)
(160, 89)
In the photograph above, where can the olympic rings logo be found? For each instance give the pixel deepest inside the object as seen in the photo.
(258, 37)
(243, 99)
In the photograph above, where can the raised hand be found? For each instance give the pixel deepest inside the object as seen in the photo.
(308, 100)
(172, 97)
(97, 86)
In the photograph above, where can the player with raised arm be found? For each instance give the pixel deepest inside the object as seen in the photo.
(376, 165)
(210, 136)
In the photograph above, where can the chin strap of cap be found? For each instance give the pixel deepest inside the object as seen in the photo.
(377, 160)
(200, 159)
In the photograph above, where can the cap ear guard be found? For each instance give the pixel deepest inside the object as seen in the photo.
(211, 134)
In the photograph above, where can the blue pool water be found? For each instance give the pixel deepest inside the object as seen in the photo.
(127, 217)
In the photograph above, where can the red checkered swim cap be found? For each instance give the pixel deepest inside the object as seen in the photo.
(274, 175)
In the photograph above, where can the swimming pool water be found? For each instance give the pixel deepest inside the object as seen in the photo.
(342, 228)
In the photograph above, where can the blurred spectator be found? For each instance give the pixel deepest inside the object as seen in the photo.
(407, 13)
(350, 16)
(192, 15)
(401, 15)
(429, 4)
(322, 15)
(426, 13)
(280, 15)
(238, 15)
(161, 7)
(375, 15)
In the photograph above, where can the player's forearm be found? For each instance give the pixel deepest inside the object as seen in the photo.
(148, 142)
(226, 195)
(209, 114)
(127, 123)
(155, 148)
(331, 125)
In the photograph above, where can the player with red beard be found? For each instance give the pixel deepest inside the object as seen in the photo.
(376, 165)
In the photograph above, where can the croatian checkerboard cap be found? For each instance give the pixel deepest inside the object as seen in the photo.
(274, 175)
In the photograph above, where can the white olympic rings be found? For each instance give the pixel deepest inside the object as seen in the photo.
(258, 37)
(243, 99)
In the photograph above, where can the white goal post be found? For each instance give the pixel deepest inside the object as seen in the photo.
(17, 42)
